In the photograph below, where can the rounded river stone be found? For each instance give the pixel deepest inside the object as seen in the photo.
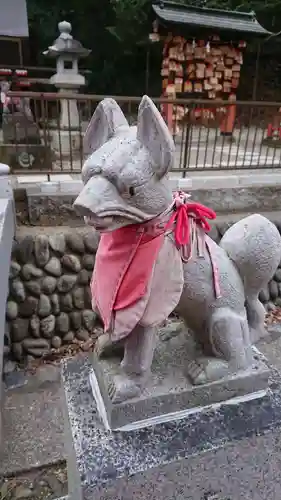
(17, 290)
(44, 306)
(53, 267)
(66, 303)
(28, 307)
(24, 249)
(41, 250)
(88, 261)
(66, 282)
(17, 351)
(89, 318)
(273, 290)
(49, 284)
(68, 338)
(35, 326)
(57, 243)
(36, 347)
(88, 297)
(56, 342)
(78, 298)
(33, 287)
(91, 241)
(75, 242)
(71, 263)
(11, 309)
(84, 277)
(264, 295)
(75, 320)
(47, 326)
(82, 335)
(19, 329)
(277, 275)
(14, 269)
(62, 323)
(30, 271)
(55, 303)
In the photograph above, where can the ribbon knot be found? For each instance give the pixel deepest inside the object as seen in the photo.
(185, 221)
(183, 213)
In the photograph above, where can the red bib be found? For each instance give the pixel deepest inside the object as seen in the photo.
(125, 258)
(123, 267)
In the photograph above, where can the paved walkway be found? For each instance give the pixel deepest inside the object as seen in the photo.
(32, 420)
(210, 151)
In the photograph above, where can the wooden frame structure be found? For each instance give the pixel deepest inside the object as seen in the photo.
(13, 32)
(185, 25)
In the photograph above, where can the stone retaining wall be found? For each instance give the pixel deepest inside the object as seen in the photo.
(49, 301)
(58, 210)
(36, 206)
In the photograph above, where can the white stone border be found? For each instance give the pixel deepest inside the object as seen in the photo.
(63, 184)
(172, 417)
(73, 187)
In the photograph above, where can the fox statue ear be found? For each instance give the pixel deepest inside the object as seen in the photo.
(154, 134)
(105, 122)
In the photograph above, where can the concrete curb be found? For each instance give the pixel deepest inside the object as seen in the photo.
(194, 181)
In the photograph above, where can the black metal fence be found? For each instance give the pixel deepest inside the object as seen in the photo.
(44, 132)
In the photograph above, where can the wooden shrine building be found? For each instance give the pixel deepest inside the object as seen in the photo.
(202, 57)
(13, 32)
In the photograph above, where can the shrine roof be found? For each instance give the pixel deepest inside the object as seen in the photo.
(13, 19)
(175, 13)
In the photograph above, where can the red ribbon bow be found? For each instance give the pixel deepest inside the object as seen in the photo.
(183, 212)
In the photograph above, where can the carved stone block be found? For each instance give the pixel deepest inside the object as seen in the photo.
(20, 129)
(169, 390)
(22, 157)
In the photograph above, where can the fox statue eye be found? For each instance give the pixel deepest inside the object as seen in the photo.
(127, 192)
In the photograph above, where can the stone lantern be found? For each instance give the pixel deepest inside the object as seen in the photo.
(67, 79)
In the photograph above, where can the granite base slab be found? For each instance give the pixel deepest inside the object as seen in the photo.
(228, 452)
(169, 389)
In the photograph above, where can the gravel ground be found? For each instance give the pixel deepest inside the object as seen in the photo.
(48, 483)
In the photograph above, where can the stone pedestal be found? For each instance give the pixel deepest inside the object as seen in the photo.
(69, 114)
(24, 157)
(220, 451)
(22, 148)
(67, 143)
(169, 392)
(19, 128)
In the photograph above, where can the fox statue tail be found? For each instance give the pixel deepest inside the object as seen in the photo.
(254, 245)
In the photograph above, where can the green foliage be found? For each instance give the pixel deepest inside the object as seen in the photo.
(130, 20)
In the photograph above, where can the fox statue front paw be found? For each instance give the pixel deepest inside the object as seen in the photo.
(105, 348)
(122, 388)
(204, 370)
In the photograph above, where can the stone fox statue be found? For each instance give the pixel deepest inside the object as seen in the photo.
(155, 255)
